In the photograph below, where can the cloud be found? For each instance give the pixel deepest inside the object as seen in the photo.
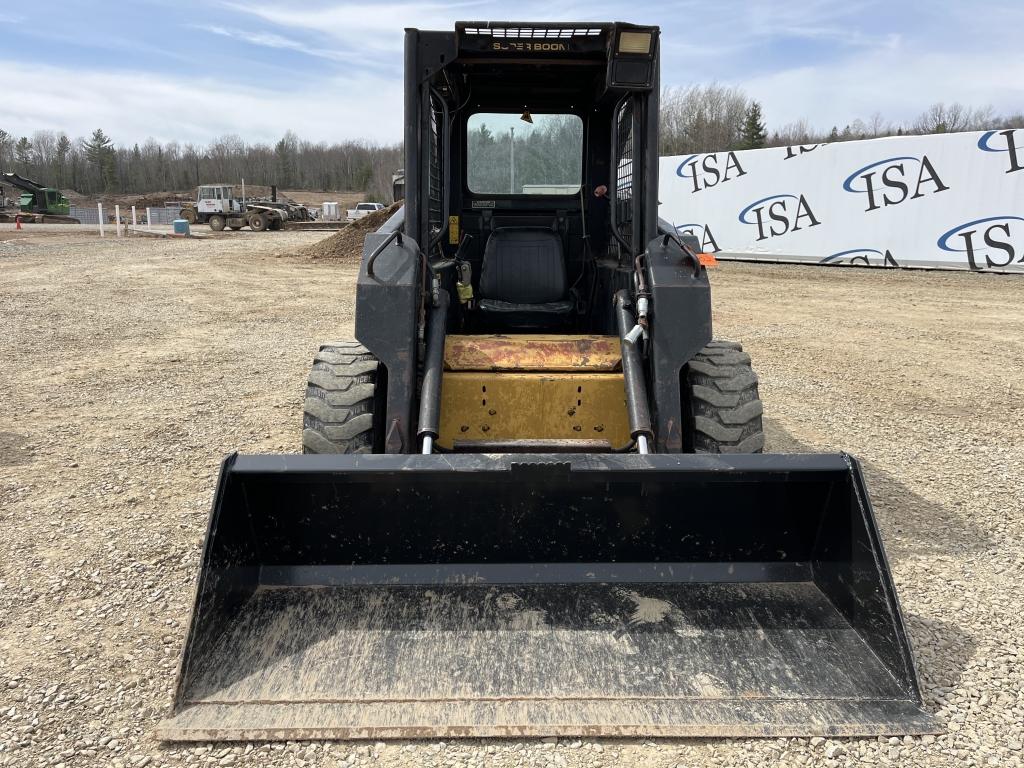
(362, 25)
(271, 40)
(829, 61)
(897, 82)
(192, 110)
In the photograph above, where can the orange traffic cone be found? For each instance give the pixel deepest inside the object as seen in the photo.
(17, 222)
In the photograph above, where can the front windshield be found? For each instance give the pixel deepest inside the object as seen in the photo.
(509, 156)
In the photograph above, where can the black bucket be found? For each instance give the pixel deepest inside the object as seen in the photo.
(535, 595)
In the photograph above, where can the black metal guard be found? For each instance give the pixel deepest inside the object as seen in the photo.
(395, 235)
(688, 253)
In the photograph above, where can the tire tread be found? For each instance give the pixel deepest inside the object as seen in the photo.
(725, 408)
(340, 393)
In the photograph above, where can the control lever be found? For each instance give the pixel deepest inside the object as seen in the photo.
(441, 265)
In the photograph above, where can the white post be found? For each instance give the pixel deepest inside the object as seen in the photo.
(134, 222)
(99, 210)
(149, 219)
(117, 219)
(243, 194)
(512, 161)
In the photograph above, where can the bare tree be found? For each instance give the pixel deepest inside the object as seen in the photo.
(792, 134)
(943, 118)
(1015, 120)
(878, 126)
(702, 118)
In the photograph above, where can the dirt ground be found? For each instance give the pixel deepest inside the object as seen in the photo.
(128, 369)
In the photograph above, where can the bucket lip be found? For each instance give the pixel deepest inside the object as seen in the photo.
(680, 718)
(712, 464)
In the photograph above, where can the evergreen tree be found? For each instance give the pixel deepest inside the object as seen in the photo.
(285, 151)
(6, 143)
(23, 153)
(753, 135)
(99, 151)
(98, 147)
(63, 150)
(833, 134)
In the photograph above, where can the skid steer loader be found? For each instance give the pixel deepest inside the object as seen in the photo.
(532, 499)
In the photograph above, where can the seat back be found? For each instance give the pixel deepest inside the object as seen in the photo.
(523, 266)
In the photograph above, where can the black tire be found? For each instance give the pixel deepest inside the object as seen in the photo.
(189, 215)
(342, 398)
(217, 223)
(258, 222)
(275, 224)
(721, 400)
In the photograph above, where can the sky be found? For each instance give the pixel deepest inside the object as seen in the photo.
(331, 71)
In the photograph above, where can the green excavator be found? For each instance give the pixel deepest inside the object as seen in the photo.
(40, 201)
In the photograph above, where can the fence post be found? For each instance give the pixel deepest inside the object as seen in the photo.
(149, 218)
(99, 210)
(117, 219)
(134, 222)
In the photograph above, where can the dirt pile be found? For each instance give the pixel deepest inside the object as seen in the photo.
(347, 243)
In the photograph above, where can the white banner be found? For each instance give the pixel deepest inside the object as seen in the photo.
(951, 201)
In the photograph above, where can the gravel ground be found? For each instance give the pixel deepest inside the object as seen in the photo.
(131, 367)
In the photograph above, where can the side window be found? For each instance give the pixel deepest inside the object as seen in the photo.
(506, 155)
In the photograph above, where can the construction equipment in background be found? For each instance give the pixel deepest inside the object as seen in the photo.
(533, 501)
(217, 206)
(398, 185)
(41, 204)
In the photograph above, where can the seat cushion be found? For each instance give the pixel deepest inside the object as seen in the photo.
(523, 266)
(512, 315)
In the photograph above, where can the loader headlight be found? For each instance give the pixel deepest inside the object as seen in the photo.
(635, 42)
(632, 64)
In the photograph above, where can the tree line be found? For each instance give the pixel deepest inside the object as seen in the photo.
(94, 165)
(715, 118)
(695, 119)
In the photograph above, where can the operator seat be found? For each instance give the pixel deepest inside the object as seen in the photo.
(523, 282)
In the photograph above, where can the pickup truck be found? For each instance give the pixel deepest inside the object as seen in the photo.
(363, 209)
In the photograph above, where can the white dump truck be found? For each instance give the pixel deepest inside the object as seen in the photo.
(217, 206)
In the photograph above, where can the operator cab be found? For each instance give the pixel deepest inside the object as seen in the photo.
(522, 133)
(217, 198)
